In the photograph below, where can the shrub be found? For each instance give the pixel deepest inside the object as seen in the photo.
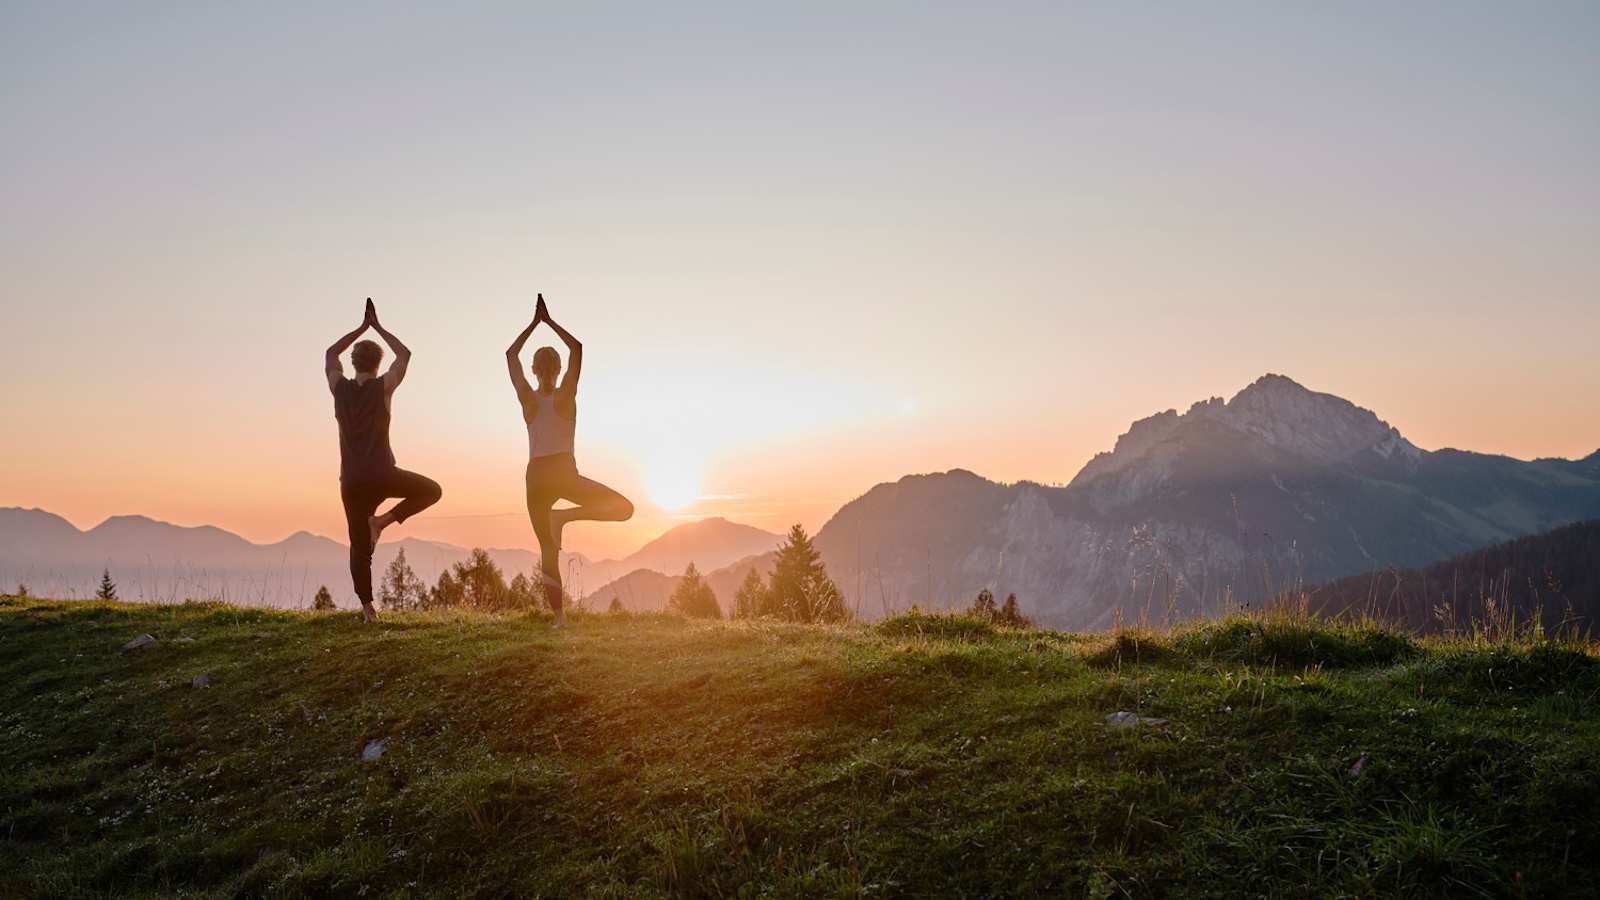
(1130, 647)
(943, 627)
(1295, 643)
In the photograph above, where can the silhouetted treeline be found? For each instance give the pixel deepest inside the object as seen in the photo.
(1554, 575)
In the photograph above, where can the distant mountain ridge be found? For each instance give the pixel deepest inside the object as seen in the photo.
(157, 560)
(709, 543)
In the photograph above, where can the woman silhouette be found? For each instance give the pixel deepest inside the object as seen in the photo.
(551, 413)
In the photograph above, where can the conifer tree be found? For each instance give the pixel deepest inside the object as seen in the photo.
(801, 590)
(401, 588)
(751, 596)
(108, 588)
(693, 597)
(482, 584)
(446, 593)
(323, 600)
(522, 593)
(1011, 614)
(616, 607)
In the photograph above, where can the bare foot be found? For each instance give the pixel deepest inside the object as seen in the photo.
(376, 525)
(561, 619)
(369, 615)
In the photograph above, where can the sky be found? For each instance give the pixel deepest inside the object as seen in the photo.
(808, 247)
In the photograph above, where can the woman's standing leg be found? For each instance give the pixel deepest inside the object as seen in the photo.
(539, 502)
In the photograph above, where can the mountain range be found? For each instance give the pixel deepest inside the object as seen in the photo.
(153, 560)
(1225, 504)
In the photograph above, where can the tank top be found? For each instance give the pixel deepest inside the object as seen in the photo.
(363, 415)
(549, 432)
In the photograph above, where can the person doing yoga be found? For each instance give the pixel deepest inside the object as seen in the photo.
(367, 473)
(551, 412)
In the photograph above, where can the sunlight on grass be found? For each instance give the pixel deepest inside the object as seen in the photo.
(647, 755)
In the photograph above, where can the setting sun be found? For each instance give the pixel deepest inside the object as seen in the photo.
(673, 486)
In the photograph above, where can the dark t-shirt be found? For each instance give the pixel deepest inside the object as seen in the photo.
(363, 417)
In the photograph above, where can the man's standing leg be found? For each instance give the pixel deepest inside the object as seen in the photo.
(359, 504)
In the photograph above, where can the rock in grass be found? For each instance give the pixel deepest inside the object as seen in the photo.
(374, 750)
(1359, 767)
(1125, 719)
(139, 643)
(201, 681)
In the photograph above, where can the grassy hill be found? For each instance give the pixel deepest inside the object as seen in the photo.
(635, 756)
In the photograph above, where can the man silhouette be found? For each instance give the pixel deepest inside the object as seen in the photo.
(367, 473)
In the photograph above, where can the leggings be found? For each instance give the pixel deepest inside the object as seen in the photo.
(555, 477)
(361, 499)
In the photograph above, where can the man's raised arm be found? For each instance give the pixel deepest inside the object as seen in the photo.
(402, 353)
(331, 366)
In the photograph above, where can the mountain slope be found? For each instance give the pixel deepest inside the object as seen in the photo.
(645, 590)
(1554, 576)
(709, 543)
(1194, 513)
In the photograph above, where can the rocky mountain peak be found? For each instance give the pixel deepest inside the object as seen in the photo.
(1275, 410)
(1322, 427)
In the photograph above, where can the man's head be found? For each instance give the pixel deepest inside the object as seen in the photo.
(365, 356)
(546, 364)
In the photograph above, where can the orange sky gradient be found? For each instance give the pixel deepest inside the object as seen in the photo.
(807, 251)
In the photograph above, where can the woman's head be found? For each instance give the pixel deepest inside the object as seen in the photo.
(546, 364)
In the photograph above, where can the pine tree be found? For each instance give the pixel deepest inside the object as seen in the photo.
(616, 607)
(983, 607)
(523, 594)
(447, 593)
(108, 588)
(751, 597)
(22, 591)
(401, 588)
(323, 600)
(800, 590)
(1011, 615)
(482, 584)
(693, 597)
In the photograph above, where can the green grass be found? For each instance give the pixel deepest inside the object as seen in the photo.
(642, 756)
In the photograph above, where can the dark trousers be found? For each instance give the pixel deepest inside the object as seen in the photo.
(361, 499)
